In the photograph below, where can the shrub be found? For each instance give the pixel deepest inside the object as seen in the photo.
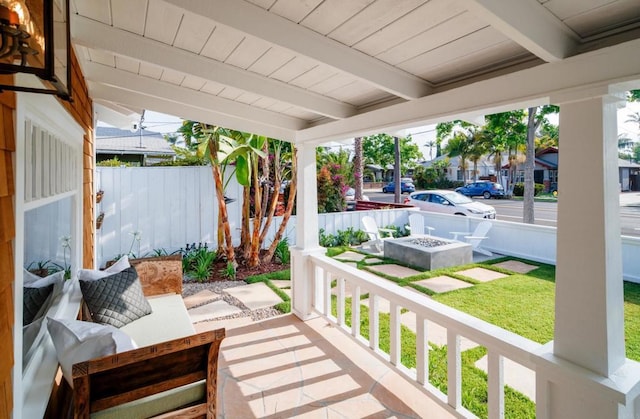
(348, 237)
(282, 251)
(114, 162)
(518, 189)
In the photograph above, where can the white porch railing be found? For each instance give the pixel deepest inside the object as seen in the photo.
(500, 344)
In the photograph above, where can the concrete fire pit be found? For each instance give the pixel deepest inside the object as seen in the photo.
(428, 252)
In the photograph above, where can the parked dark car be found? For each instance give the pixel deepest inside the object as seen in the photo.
(405, 187)
(486, 189)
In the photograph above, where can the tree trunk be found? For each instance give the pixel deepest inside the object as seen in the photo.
(528, 215)
(245, 234)
(396, 172)
(288, 210)
(273, 203)
(254, 253)
(222, 206)
(358, 167)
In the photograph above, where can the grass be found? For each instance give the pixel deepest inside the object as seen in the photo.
(523, 304)
(474, 382)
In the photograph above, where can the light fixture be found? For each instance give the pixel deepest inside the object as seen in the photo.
(35, 40)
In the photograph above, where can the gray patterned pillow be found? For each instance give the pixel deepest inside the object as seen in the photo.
(33, 300)
(116, 299)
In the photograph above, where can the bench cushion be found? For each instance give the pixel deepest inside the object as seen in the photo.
(168, 320)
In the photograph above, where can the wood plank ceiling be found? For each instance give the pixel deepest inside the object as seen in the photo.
(279, 66)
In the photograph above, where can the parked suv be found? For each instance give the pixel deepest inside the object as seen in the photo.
(486, 189)
(405, 187)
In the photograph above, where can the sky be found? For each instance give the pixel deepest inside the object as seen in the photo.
(158, 122)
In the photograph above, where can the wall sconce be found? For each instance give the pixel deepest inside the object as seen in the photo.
(34, 39)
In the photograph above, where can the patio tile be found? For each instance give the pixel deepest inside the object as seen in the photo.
(353, 256)
(436, 334)
(255, 296)
(281, 283)
(516, 266)
(283, 367)
(516, 376)
(200, 298)
(394, 270)
(482, 274)
(443, 283)
(210, 311)
(206, 325)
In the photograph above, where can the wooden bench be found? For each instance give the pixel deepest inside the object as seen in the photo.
(117, 379)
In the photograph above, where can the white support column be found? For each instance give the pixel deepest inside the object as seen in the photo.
(584, 371)
(302, 272)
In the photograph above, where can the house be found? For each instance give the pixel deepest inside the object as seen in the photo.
(629, 175)
(312, 72)
(139, 148)
(485, 169)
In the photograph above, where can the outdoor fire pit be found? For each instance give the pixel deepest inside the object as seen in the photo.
(428, 252)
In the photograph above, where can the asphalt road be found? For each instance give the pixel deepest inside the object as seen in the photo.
(546, 213)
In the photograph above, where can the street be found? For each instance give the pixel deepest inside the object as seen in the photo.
(546, 213)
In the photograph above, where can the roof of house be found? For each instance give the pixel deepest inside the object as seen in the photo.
(626, 163)
(114, 140)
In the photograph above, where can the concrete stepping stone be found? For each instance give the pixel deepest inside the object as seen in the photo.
(354, 264)
(200, 298)
(255, 296)
(213, 310)
(281, 283)
(384, 306)
(394, 270)
(286, 291)
(443, 283)
(353, 256)
(436, 334)
(348, 290)
(482, 274)
(516, 266)
(516, 376)
(373, 260)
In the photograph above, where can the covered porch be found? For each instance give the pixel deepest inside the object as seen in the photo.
(312, 72)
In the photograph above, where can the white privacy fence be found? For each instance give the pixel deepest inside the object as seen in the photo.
(501, 345)
(172, 206)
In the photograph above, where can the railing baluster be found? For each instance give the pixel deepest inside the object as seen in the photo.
(422, 350)
(496, 385)
(341, 301)
(454, 371)
(355, 311)
(373, 322)
(394, 334)
(327, 293)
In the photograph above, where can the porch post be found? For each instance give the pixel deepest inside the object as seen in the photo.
(583, 372)
(302, 272)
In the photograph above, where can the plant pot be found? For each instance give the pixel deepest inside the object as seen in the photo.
(99, 221)
(99, 196)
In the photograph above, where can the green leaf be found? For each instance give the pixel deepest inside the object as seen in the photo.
(203, 149)
(243, 171)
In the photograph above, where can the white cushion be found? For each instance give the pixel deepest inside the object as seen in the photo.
(34, 281)
(168, 320)
(77, 341)
(93, 274)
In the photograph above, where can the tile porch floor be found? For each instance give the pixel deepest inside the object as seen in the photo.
(283, 367)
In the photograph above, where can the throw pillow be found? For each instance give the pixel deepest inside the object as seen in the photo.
(39, 293)
(93, 274)
(77, 341)
(117, 299)
(33, 300)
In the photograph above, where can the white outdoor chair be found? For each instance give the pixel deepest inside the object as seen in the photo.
(417, 226)
(476, 237)
(376, 235)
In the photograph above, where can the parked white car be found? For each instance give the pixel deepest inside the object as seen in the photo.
(450, 202)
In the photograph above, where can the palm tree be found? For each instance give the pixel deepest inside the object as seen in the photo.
(431, 145)
(460, 146)
(634, 118)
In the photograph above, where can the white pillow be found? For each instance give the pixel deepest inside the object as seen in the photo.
(93, 274)
(77, 341)
(34, 281)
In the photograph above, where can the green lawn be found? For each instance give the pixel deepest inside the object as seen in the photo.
(521, 303)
